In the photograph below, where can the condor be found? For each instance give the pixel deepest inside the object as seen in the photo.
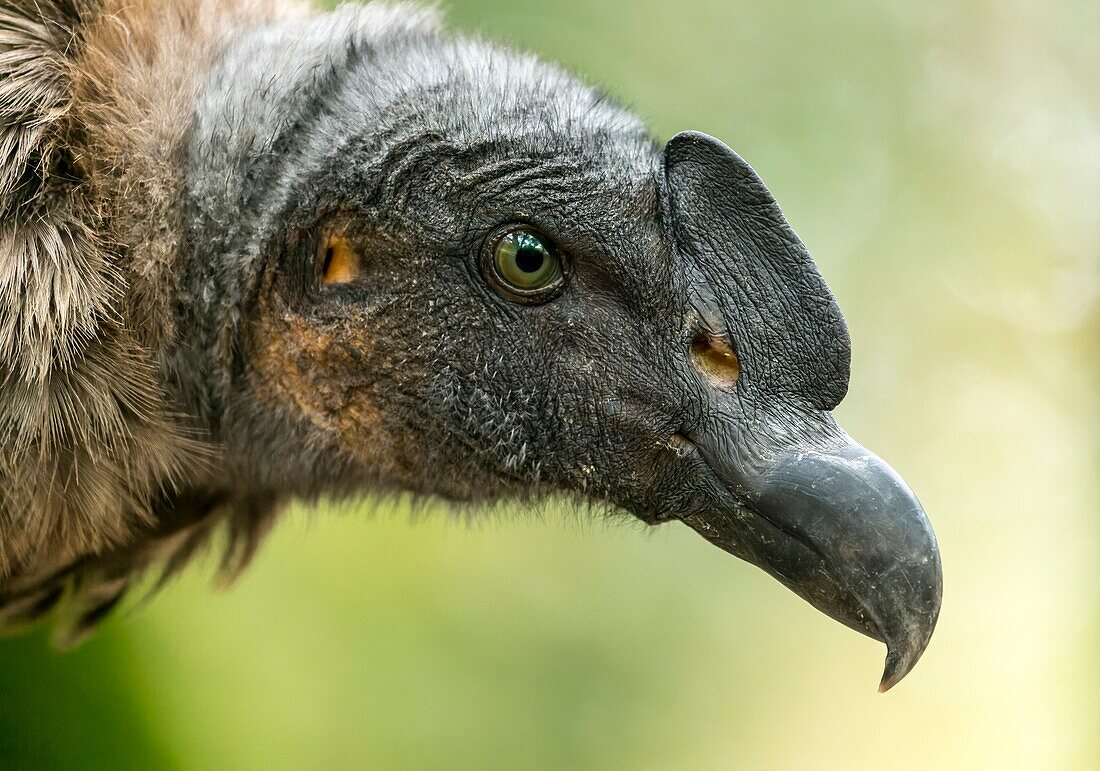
(250, 253)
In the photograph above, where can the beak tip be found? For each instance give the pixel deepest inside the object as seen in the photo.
(900, 660)
(906, 643)
(893, 673)
(889, 680)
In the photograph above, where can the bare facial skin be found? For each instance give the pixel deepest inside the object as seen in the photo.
(410, 261)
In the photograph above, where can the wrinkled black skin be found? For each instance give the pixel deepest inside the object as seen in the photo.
(426, 146)
(575, 393)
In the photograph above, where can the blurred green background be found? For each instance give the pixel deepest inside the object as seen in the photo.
(942, 161)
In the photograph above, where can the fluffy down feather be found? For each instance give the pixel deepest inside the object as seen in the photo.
(96, 462)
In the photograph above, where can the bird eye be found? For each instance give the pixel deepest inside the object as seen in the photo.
(523, 265)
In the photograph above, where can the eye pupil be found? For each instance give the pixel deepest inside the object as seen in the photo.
(530, 260)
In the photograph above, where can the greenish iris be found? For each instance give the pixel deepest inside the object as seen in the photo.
(525, 261)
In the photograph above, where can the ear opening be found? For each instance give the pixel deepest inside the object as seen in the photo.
(339, 260)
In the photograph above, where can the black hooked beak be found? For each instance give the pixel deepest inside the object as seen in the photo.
(841, 529)
(796, 496)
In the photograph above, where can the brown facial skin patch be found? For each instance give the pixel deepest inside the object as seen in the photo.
(318, 371)
(336, 363)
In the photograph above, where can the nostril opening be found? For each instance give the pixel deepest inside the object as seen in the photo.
(714, 358)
